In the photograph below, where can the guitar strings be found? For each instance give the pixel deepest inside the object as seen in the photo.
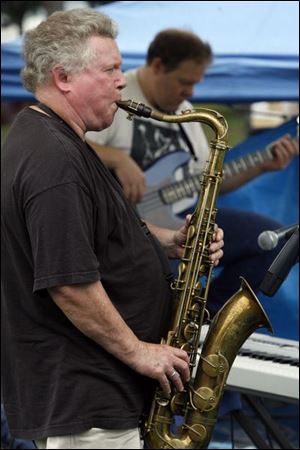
(152, 200)
(151, 203)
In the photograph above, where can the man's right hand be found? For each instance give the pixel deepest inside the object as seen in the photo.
(131, 178)
(168, 365)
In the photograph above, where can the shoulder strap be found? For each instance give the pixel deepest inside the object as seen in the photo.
(187, 141)
(167, 271)
(50, 112)
(169, 275)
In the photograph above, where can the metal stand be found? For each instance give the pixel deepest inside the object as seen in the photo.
(271, 426)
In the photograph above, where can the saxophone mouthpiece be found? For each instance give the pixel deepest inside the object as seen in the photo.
(139, 109)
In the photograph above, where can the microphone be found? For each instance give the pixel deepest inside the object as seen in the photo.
(267, 240)
(281, 265)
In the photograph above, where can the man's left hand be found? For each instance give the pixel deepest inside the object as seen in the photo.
(284, 150)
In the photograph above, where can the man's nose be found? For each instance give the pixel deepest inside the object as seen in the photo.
(121, 81)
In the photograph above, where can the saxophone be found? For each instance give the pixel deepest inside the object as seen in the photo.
(242, 314)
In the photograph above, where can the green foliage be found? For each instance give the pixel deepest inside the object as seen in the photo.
(4, 131)
(236, 118)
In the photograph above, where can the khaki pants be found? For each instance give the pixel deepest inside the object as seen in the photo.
(94, 438)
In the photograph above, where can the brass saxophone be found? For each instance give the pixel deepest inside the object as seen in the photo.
(242, 314)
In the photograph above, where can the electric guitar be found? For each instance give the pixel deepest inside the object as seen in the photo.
(163, 191)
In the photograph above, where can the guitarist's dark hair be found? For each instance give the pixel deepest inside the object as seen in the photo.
(173, 46)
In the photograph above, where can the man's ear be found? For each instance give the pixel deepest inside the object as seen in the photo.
(60, 78)
(157, 65)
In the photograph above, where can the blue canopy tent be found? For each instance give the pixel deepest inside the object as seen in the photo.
(255, 45)
(256, 59)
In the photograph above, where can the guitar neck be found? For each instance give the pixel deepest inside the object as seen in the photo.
(191, 185)
(246, 162)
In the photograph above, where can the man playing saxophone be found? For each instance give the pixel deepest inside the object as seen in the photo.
(86, 284)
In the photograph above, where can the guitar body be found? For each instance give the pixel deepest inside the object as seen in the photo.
(163, 191)
(159, 175)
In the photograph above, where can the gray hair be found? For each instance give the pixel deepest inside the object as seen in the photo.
(62, 39)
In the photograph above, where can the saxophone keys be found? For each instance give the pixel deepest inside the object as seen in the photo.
(191, 232)
(215, 365)
(162, 399)
(190, 330)
(186, 347)
(178, 402)
(197, 432)
(181, 269)
(204, 398)
(196, 306)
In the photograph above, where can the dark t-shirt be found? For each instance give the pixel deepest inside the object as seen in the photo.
(65, 220)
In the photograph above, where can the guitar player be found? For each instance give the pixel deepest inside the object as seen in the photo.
(176, 61)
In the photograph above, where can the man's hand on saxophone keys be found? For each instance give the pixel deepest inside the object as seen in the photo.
(216, 246)
(164, 363)
(173, 240)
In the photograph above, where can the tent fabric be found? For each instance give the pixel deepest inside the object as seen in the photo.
(11, 65)
(255, 45)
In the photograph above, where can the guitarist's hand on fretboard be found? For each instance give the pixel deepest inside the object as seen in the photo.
(276, 156)
(283, 150)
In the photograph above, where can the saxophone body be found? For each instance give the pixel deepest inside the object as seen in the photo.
(242, 314)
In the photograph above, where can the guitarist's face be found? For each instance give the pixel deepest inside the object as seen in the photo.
(172, 87)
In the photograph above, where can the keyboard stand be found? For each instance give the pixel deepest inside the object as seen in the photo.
(271, 426)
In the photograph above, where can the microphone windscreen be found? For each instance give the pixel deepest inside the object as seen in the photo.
(267, 240)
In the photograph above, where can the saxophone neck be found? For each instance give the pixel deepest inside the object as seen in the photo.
(208, 116)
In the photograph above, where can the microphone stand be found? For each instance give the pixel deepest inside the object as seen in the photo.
(281, 265)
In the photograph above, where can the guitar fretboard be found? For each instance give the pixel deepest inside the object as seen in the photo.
(190, 185)
(244, 163)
